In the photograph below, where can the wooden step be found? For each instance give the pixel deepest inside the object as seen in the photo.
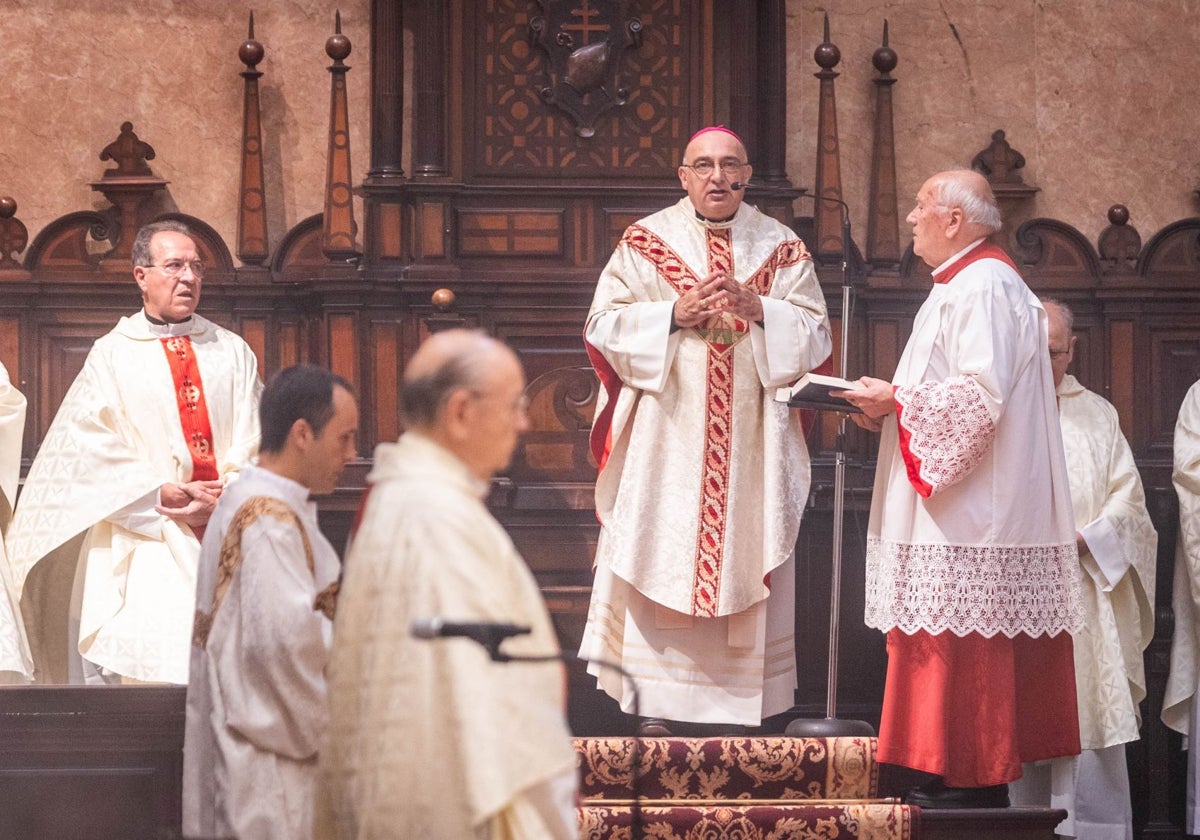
(989, 823)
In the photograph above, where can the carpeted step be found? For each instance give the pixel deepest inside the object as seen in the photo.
(741, 820)
(770, 768)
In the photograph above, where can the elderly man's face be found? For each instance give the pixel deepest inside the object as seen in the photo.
(496, 417)
(710, 193)
(171, 286)
(1062, 344)
(929, 222)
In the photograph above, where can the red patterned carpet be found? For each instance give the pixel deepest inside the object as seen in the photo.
(737, 788)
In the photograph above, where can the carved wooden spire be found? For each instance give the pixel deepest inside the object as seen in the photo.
(252, 204)
(337, 236)
(128, 186)
(828, 214)
(883, 219)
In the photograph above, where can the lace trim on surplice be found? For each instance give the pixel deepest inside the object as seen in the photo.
(985, 589)
(945, 431)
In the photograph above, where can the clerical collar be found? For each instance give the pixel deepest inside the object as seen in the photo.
(713, 221)
(162, 329)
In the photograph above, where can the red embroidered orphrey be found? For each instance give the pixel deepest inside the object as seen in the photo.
(718, 438)
(193, 410)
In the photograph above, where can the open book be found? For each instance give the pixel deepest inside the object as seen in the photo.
(812, 391)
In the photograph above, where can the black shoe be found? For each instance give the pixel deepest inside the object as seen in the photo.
(653, 728)
(937, 795)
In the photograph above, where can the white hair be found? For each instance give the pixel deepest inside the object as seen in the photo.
(959, 188)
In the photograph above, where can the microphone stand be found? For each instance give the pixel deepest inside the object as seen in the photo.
(831, 726)
(636, 829)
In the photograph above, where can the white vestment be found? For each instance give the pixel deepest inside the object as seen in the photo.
(703, 476)
(976, 408)
(16, 664)
(1180, 710)
(431, 738)
(1117, 580)
(256, 710)
(90, 495)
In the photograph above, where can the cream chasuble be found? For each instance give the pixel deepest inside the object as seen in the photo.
(430, 738)
(703, 475)
(1180, 711)
(16, 664)
(975, 412)
(256, 706)
(1117, 575)
(118, 436)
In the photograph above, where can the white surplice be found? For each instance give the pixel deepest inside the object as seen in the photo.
(1180, 710)
(987, 545)
(431, 738)
(1117, 580)
(256, 707)
(16, 664)
(90, 493)
(703, 475)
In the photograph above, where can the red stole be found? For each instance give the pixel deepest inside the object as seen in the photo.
(193, 410)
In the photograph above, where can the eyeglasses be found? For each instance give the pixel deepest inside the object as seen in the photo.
(1054, 354)
(705, 168)
(518, 406)
(175, 268)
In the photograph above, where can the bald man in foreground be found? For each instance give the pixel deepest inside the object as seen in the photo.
(431, 738)
(972, 569)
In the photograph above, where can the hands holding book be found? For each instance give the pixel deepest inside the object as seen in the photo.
(874, 398)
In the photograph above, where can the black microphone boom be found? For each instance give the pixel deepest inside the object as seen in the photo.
(737, 185)
(487, 633)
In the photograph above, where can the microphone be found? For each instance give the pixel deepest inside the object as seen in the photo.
(737, 185)
(487, 633)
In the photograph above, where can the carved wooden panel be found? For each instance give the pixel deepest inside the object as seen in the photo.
(1174, 367)
(508, 234)
(517, 135)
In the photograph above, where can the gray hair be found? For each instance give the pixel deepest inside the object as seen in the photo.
(423, 395)
(141, 243)
(1064, 312)
(957, 188)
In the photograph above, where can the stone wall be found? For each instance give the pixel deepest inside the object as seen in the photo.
(1096, 96)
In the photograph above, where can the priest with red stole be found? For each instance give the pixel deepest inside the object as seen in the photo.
(105, 540)
(971, 555)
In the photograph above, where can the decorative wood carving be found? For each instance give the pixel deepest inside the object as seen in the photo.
(513, 135)
(827, 215)
(13, 239)
(1120, 242)
(883, 217)
(252, 248)
(1002, 165)
(339, 230)
(1054, 255)
(128, 186)
(387, 91)
(584, 41)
